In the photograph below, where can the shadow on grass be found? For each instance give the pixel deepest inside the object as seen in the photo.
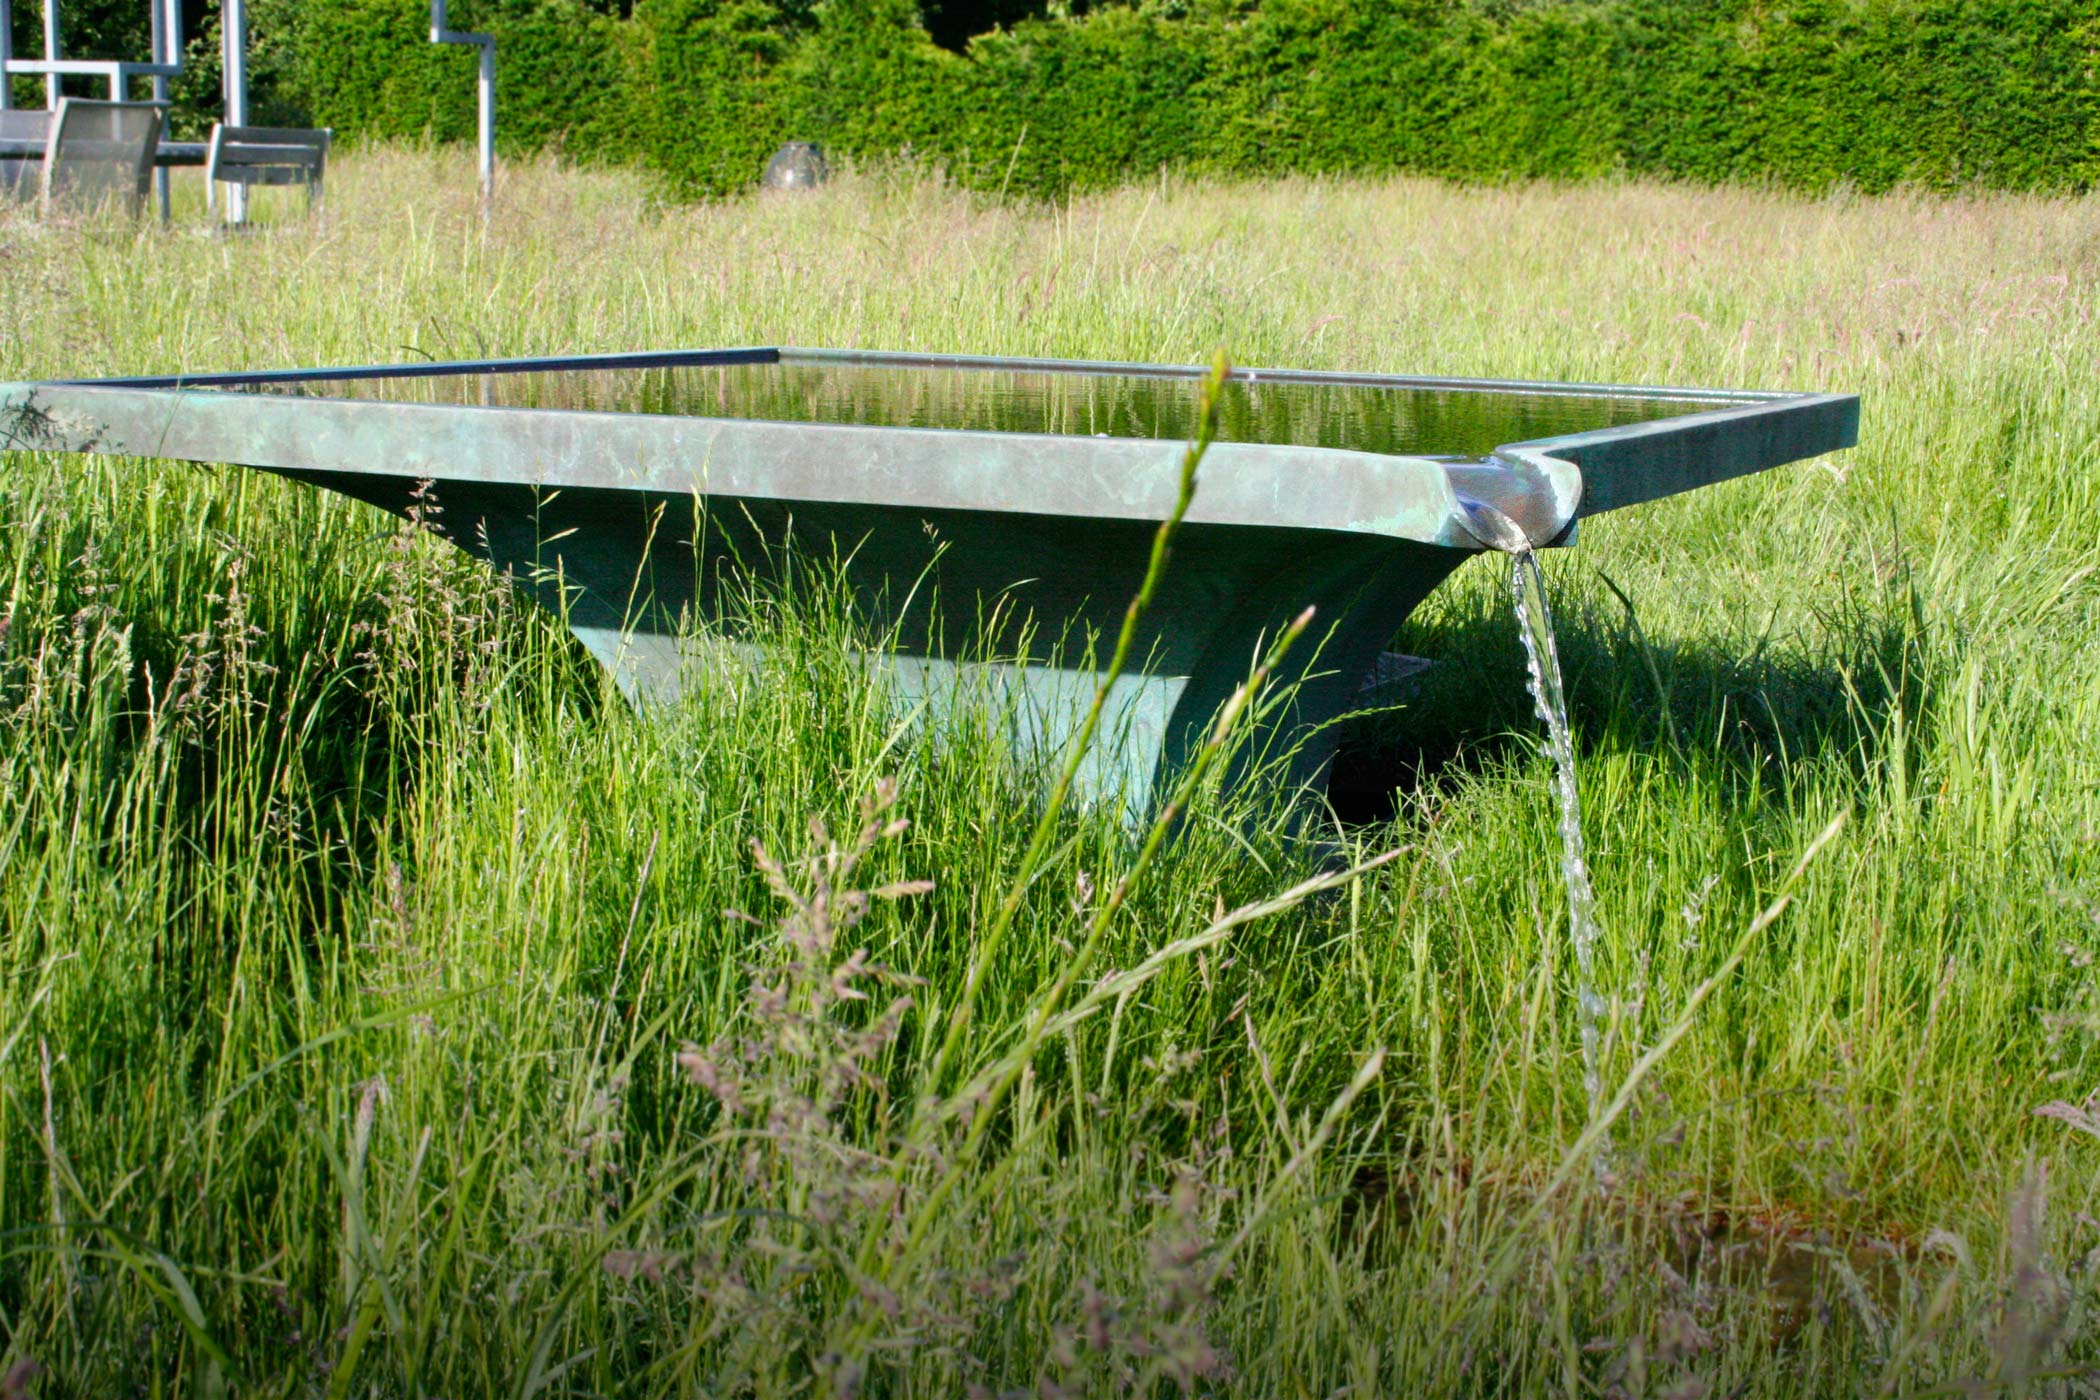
(1759, 715)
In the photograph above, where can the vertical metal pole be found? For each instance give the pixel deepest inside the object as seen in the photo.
(485, 94)
(7, 54)
(487, 116)
(233, 20)
(51, 85)
(163, 46)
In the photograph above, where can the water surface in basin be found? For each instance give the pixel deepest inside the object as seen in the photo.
(1363, 417)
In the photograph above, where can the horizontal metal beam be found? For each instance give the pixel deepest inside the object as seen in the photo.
(90, 68)
(167, 153)
(891, 359)
(1741, 432)
(640, 359)
(1253, 484)
(1639, 462)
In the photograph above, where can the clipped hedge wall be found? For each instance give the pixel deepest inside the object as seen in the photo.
(1997, 93)
(368, 68)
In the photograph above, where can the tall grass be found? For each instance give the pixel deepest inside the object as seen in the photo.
(373, 1018)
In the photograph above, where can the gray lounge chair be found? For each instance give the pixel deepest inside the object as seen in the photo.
(101, 153)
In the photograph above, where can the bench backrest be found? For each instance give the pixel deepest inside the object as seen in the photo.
(266, 155)
(101, 152)
(18, 177)
(25, 124)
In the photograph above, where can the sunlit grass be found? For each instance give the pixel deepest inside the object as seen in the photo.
(351, 934)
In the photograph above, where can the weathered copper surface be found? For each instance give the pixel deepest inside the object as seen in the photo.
(653, 486)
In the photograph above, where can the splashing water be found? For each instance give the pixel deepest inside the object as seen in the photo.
(1527, 587)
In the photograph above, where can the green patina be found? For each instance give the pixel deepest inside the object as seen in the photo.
(635, 493)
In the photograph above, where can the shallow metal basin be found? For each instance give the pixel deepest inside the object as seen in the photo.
(993, 516)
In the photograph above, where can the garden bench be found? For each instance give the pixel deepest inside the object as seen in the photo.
(265, 155)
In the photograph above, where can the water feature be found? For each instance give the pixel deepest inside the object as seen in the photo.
(1527, 589)
(1362, 417)
(636, 493)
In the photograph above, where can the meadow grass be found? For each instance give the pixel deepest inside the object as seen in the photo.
(374, 1019)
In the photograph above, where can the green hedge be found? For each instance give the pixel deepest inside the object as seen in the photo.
(1809, 93)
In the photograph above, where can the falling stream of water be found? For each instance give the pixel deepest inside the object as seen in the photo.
(1527, 587)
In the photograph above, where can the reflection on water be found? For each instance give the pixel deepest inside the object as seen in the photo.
(1366, 418)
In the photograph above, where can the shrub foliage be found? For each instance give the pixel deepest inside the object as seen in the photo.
(1808, 93)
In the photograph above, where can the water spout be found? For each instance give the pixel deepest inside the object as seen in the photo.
(1527, 586)
(1493, 528)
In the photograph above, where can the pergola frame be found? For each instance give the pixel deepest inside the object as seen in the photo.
(164, 63)
(484, 92)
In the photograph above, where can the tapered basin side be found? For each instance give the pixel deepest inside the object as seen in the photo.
(989, 519)
(1013, 611)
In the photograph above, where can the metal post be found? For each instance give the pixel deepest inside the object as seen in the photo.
(7, 54)
(234, 32)
(167, 48)
(485, 119)
(485, 93)
(51, 83)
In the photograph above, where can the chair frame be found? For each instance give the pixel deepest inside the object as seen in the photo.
(142, 181)
(266, 155)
